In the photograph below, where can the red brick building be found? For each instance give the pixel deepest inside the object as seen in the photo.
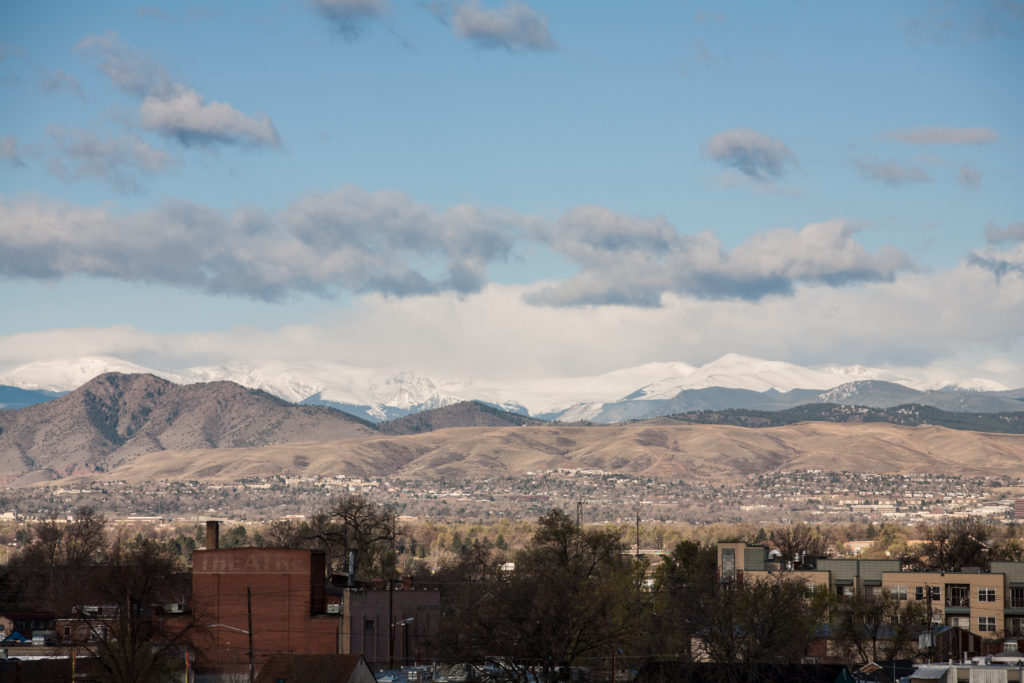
(279, 591)
(413, 612)
(292, 610)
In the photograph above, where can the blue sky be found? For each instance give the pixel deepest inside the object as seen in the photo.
(498, 188)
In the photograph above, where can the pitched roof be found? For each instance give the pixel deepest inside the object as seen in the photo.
(703, 672)
(310, 668)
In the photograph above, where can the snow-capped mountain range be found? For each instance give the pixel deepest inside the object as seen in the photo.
(643, 391)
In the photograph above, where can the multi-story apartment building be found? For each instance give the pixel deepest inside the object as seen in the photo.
(989, 603)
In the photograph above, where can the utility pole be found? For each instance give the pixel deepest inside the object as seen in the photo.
(391, 622)
(248, 607)
(638, 533)
(391, 597)
(579, 513)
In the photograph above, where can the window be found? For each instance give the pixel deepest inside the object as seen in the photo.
(986, 595)
(986, 623)
(919, 593)
(728, 564)
(898, 592)
(962, 622)
(1016, 626)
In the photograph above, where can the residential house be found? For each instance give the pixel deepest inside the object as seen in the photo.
(315, 669)
(24, 624)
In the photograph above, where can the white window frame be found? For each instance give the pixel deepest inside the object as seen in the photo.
(986, 594)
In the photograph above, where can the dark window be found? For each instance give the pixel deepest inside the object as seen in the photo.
(728, 564)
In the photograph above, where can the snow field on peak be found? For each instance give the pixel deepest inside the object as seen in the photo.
(65, 374)
(576, 398)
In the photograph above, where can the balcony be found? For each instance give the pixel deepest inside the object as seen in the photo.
(958, 599)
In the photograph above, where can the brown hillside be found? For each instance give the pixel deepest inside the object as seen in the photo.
(704, 452)
(116, 417)
(463, 414)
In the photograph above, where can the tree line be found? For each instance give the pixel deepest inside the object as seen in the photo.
(547, 598)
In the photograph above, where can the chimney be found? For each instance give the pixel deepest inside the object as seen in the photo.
(212, 535)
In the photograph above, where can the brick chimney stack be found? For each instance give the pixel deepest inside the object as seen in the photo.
(212, 535)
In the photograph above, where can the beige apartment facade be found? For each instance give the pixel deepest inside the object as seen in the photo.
(989, 603)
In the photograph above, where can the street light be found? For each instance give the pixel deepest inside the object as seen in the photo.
(391, 647)
(230, 628)
(252, 668)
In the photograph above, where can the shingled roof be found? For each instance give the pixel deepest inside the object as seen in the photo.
(285, 668)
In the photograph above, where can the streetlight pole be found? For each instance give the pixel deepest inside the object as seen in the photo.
(391, 646)
(252, 661)
(252, 668)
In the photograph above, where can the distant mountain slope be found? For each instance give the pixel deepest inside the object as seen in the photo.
(14, 398)
(911, 415)
(464, 414)
(638, 392)
(116, 417)
(871, 393)
(716, 453)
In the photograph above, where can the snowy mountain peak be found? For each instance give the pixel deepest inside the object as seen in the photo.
(65, 374)
(381, 393)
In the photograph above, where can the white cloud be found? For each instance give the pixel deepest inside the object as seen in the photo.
(753, 154)
(964, 22)
(171, 108)
(516, 26)
(349, 17)
(969, 176)
(1008, 262)
(944, 136)
(187, 118)
(122, 162)
(1013, 232)
(356, 241)
(346, 240)
(9, 151)
(60, 80)
(891, 173)
(929, 321)
(635, 261)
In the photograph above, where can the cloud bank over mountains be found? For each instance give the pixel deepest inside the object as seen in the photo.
(384, 242)
(348, 239)
(930, 320)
